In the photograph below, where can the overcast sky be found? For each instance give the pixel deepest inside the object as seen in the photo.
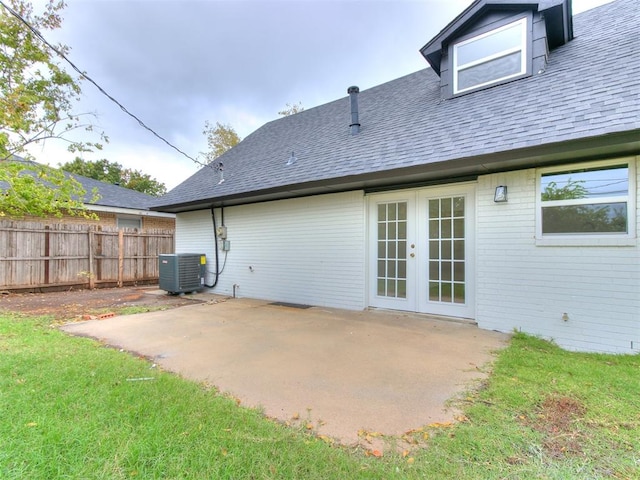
(178, 63)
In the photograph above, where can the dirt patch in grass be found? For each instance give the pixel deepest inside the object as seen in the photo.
(558, 418)
(73, 304)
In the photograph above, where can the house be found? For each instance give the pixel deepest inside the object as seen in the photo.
(122, 207)
(114, 206)
(500, 184)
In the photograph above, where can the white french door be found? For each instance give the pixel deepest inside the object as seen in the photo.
(421, 250)
(392, 252)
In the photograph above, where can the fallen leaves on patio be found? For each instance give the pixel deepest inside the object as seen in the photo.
(368, 436)
(440, 425)
(326, 439)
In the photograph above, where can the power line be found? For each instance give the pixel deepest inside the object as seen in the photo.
(100, 89)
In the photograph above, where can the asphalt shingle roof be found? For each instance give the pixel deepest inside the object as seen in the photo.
(110, 195)
(590, 88)
(114, 195)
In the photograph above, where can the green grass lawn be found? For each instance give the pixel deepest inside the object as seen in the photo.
(72, 408)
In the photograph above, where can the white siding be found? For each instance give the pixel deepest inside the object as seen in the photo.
(308, 250)
(312, 251)
(194, 233)
(528, 287)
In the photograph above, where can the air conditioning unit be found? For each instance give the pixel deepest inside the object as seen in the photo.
(182, 272)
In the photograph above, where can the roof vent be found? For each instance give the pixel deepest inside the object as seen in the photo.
(292, 159)
(219, 167)
(355, 121)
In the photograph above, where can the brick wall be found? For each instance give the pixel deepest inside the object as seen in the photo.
(104, 219)
(159, 222)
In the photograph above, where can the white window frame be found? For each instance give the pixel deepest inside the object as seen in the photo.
(126, 218)
(589, 239)
(522, 48)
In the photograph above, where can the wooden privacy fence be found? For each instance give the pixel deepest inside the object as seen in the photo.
(34, 255)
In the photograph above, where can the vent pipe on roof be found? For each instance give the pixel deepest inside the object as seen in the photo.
(355, 121)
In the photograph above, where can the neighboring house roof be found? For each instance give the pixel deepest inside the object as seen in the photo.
(110, 196)
(585, 105)
(114, 195)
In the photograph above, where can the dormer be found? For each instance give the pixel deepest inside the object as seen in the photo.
(497, 41)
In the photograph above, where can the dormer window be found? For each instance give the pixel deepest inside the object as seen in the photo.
(497, 41)
(492, 57)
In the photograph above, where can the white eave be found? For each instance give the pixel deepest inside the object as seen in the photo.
(129, 211)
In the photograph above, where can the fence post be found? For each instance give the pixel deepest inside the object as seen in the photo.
(47, 253)
(120, 257)
(91, 279)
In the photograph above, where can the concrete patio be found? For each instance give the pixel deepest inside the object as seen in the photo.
(341, 371)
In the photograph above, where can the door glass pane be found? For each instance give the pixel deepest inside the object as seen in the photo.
(434, 229)
(458, 292)
(458, 271)
(434, 291)
(445, 292)
(402, 210)
(434, 208)
(446, 250)
(458, 249)
(392, 207)
(402, 269)
(434, 270)
(446, 228)
(392, 250)
(445, 205)
(391, 287)
(402, 230)
(391, 268)
(445, 271)
(458, 207)
(458, 228)
(401, 290)
(434, 249)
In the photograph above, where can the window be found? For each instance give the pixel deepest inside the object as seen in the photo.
(130, 222)
(491, 57)
(586, 200)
